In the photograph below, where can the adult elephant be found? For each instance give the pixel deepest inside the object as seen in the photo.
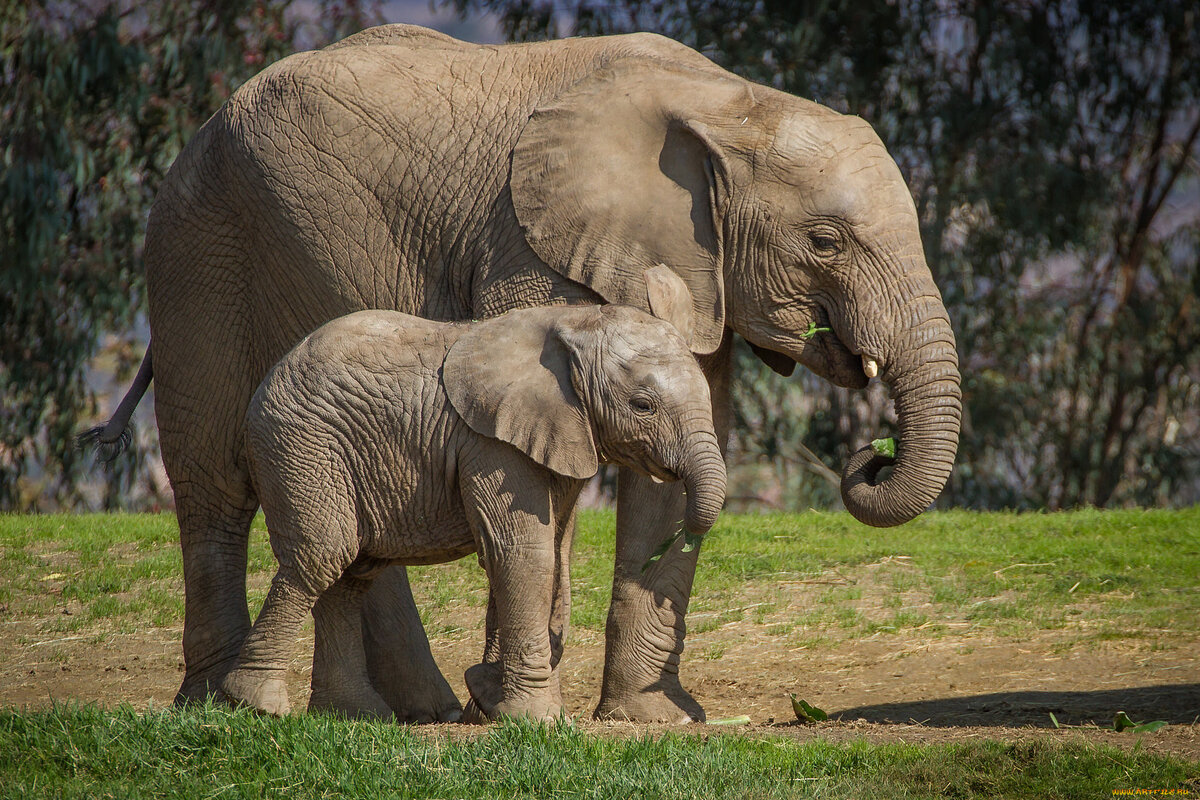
(401, 169)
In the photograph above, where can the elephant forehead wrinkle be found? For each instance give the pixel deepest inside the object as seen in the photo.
(798, 140)
(816, 133)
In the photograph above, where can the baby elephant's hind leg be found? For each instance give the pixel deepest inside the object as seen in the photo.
(258, 678)
(341, 683)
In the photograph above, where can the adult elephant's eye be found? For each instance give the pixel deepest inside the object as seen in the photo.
(825, 242)
(641, 405)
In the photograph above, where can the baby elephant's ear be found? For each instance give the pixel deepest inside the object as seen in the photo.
(669, 298)
(509, 378)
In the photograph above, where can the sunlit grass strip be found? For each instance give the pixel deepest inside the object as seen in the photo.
(1129, 570)
(85, 752)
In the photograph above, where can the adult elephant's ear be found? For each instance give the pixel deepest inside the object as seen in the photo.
(621, 172)
(669, 299)
(509, 378)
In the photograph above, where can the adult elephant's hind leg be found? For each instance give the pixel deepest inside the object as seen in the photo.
(341, 684)
(214, 529)
(200, 403)
(399, 660)
(210, 352)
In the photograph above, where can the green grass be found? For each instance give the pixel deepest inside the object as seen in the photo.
(1097, 572)
(1103, 575)
(1013, 573)
(70, 752)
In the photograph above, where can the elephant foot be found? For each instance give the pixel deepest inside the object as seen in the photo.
(547, 709)
(200, 685)
(474, 715)
(428, 698)
(674, 706)
(362, 704)
(483, 682)
(487, 702)
(262, 689)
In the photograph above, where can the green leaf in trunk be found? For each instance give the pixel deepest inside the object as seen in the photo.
(885, 447)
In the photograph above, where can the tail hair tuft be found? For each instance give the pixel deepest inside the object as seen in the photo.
(107, 449)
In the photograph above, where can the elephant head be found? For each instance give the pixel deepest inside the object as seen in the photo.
(780, 215)
(571, 386)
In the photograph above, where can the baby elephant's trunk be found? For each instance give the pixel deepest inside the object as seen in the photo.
(703, 473)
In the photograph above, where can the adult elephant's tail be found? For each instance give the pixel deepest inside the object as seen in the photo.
(111, 438)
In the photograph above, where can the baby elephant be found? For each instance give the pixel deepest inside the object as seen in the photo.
(388, 439)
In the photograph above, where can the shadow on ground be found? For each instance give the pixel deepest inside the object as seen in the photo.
(1173, 703)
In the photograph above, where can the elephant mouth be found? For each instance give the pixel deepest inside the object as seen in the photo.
(660, 474)
(825, 353)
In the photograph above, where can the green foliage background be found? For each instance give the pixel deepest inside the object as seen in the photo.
(1051, 146)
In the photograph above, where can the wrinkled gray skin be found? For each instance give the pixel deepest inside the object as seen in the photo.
(383, 438)
(401, 169)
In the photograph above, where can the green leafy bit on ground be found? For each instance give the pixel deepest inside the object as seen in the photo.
(806, 713)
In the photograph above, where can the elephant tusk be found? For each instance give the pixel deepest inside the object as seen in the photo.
(870, 367)
(657, 479)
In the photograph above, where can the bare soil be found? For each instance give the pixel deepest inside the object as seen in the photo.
(909, 686)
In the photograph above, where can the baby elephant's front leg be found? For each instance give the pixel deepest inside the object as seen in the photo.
(522, 577)
(517, 550)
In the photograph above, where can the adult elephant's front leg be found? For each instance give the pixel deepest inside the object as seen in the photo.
(399, 661)
(645, 630)
(644, 635)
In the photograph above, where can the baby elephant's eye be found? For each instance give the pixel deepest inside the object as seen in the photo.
(641, 405)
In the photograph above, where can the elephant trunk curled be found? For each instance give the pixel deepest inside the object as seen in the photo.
(925, 384)
(702, 471)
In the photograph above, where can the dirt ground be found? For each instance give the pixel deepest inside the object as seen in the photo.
(887, 687)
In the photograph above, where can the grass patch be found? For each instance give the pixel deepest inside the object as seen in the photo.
(1104, 573)
(1008, 573)
(85, 752)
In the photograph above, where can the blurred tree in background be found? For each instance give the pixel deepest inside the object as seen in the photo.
(97, 100)
(1052, 151)
(1051, 148)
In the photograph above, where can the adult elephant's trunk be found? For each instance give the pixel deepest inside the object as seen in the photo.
(924, 379)
(702, 471)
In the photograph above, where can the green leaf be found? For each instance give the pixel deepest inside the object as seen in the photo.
(885, 447)
(1054, 719)
(691, 541)
(808, 714)
(1121, 722)
(813, 330)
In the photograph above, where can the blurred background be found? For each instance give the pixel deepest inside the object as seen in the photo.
(1051, 147)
